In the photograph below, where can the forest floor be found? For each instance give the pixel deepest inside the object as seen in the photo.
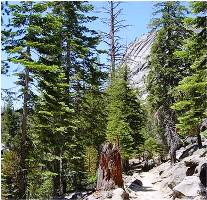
(149, 191)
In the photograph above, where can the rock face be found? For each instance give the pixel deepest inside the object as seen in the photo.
(136, 58)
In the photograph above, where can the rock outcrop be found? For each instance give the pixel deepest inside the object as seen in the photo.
(136, 58)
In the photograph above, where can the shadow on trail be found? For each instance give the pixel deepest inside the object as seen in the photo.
(142, 188)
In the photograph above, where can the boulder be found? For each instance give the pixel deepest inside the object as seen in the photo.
(191, 162)
(76, 196)
(147, 165)
(128, 180)
(195, 161)
(157, 161)
(134, 161)
(203, 125)
(135, 184)
(189, 150)
(120, 194)
(190, 171)
(201, 152)
(188, 187)
(179, 152)
(190, 140)
(173, 175)
(203, 174)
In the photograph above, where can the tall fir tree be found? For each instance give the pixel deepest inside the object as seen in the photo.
(18, 35)
(190, 94)
(63, 42)
(165, 69)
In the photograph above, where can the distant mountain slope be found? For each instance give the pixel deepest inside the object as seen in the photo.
(136, 58)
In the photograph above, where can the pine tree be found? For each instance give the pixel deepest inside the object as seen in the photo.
(23, 40)
(64, 43)
(55, 127)
(18, 35)
(83, 72)
(4, 14)
(10, 124)
(125, 116)
(165, 69)
(191, 91)
(10, 159)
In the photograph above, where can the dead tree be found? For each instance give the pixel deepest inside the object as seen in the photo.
(109, 174)
(112, 37)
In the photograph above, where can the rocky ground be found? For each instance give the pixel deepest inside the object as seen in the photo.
(147, 190)
(186, 180)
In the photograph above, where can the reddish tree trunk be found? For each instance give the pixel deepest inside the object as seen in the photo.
(109, 170)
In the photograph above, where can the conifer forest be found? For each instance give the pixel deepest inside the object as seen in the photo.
(77, 127)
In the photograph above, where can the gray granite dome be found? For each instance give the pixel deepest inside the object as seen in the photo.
(136, 58)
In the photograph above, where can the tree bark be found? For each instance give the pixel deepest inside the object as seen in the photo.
(173, 157)
(22, 174)
(63, 177)
(10, 190)
(110, 169)
(56, 179)
(125, 165)
(199, 141)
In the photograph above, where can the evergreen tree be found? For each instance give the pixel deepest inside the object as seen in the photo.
(125, 116)
(10, 124)
(18, 35)
(191, 91)
(23, 39)
(55, 128)
(93, 117)
(4, 14)
(80, 64)
(63, 42)
(10, 160)
(165, 69)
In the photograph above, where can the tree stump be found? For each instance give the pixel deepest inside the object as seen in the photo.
(109, 174)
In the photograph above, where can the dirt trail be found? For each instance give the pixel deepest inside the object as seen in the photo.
(149, 191)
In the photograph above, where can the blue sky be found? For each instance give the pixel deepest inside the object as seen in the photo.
(137, 15)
